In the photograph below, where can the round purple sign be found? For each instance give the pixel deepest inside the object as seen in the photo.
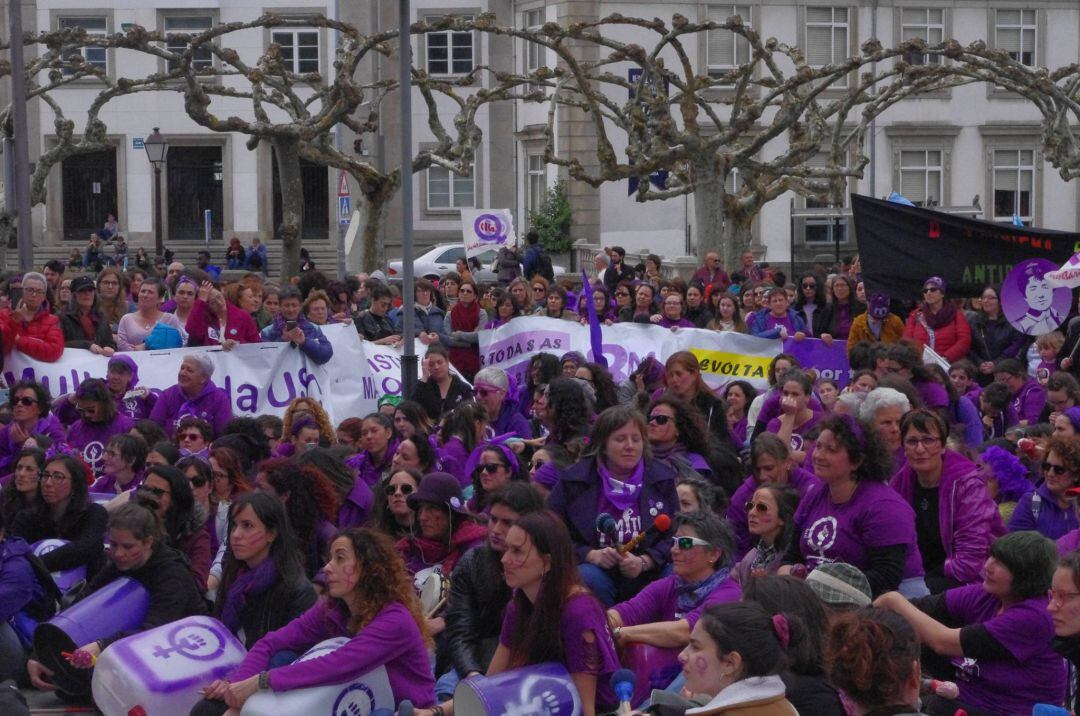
(1028, 300)
(488, 227)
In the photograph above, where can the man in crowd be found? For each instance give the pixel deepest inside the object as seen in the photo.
(712, 273)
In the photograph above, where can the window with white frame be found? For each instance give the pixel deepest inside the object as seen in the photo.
(924, 23)
(447, 190)
(202, 58)
(1016, 32)
(921, 176)
(824, 229)
(534, 53)
(95, 26)
(1014, 184)
(724, 50)
(827, 33)
(535, 183)
(449, 52)
(299, 49)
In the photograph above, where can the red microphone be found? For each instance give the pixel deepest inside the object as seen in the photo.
(662, 523)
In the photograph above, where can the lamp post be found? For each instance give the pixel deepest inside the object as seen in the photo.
(156, 149)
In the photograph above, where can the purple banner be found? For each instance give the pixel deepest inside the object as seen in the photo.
(828, 361)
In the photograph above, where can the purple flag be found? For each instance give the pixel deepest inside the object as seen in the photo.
(596, 337)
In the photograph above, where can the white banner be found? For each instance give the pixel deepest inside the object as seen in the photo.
(724, 356)
(1068, 275)
(259, 377)
(486, 229)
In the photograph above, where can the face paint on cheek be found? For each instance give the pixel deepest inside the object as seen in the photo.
(701, 666)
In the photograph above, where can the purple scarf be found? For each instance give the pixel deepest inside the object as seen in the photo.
(248, 583)
(690, 595)
(622, 494)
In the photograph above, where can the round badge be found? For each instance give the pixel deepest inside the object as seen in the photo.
(1029, 302)
(455, 502)
(488, 227)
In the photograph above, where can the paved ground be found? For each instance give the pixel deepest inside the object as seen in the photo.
(45, 703)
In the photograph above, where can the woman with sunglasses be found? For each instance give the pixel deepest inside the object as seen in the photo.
(98, 422)
(993, 638)
(677, 435)
(444, 529)
(663, 613)
(810, 301)
(30, 416)
(124, 458)
(955, 518)
(546, 467)
(771, 522)
(937, 323)
(168, 492)
(1047, 509)
(492, 464)
(193, 436)
(391, 513)
(197, 471)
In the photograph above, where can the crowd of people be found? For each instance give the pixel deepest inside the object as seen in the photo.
(810, 548)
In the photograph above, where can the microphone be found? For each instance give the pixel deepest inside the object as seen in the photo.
(405, 708)
(605, 525)
(944, 689)
(1049, 710)
(662, 523)
(622, 683)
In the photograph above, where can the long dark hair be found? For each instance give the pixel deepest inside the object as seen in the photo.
(689, 423)
(461, 422)
(183, 518)
(11, 500)
(311, 496)
(607, 393)
(550, 368)
(79, 500)
(779, 595)
(283, 550)
(380, 517)
(567, 403)
(533, 639)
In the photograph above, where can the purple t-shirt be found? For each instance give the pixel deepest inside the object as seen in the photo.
(799, 479)
(91, 438)
(772, 322)
(658, 602)
(581, 614)
(627, 522)
(1034, 674)
(933, 395)
(875, 516)
(799, 440)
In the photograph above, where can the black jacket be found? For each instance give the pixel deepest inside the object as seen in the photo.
(474, 612)
(84, 531)
(275, 608)
(825, 318)
(75, 338)
(374, 328)
(427, 394)
(614, 275)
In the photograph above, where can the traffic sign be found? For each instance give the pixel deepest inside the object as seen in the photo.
(342, 183)
(344, 210)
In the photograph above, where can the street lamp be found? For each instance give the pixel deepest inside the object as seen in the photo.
(156, 149)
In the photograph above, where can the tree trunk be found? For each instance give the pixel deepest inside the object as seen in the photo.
(376, 198)
(719, 227)
(292, 204)
(737, 238)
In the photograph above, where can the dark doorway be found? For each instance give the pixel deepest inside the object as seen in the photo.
(194, 185)
(313, 177)
(89, 192)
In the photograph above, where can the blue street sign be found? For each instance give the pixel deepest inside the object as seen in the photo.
(344, 210)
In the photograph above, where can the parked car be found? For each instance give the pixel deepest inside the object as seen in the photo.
(443, 257)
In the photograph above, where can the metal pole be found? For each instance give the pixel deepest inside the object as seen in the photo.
(409, 362)
(21, 160)
(337, 145)
(791, 237)
(159, 242)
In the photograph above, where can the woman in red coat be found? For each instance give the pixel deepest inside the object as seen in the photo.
(30, 326)
(215, 321)
(938, 323)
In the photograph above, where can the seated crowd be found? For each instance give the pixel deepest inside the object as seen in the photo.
(811, 548)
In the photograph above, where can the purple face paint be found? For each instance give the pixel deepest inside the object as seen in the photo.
(1029, 302)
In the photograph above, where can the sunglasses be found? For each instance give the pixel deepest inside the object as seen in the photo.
(538, 288)
(405, 489)
(622, 294)
(199, 481)
(155, 491)
(930, 289)
(190, 436)
(25, 401)
(759, 506)
(809, 285)
(1058, 470)
(660, 419)
(490, 467)
(688, 543)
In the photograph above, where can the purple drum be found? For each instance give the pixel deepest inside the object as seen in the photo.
(541, 690)
(66, 578)
(117, 607)
(654, 666)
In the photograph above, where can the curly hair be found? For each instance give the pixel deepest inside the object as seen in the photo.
(689, 423)
(607, 393)
(870, 654)
(863, 445)
(567, 403)
(41, 393)
(380, 518)
(1068, 449)
(385, 579)
(326, 428)
(310, 496)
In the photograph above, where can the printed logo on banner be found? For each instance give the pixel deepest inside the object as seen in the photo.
(731, 365)
(488, 227)
(1030, 301)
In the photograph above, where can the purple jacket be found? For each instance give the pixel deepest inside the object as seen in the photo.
(91, 439)
(511, 420)
(212, 405)
(452, 457)
(1029, 401)
(9, 449)
(106, 484)
(968, 519)
(356, 506)
(392, 639)
(1069, 542)
(1052, 520)
(800, 480)
(18, 585)
(366, 470)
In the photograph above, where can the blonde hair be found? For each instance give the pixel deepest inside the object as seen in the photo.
(1053, 339)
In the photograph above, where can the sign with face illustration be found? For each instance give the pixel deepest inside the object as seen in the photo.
(1030, 301)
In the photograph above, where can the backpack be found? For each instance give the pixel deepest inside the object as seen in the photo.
(544, 267)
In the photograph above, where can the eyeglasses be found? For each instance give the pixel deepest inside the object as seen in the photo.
(190, 436)
(622, 294)
(660, 419)
(53, 477)
(25, 401)
(925, 443)
(490, 467)
(465, 289)
(1058, 470)
(759, 506)
(688, 543)
(404, 488)
(537, 464)
(930, 289)
(809, 285)
(538, 288)
(33, 292)
(1056, 596)
(155, 491)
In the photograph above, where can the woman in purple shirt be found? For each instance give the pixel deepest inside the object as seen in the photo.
(855, 517)
(560, 622)
(796, 419)
(997, 634)
(370, 600)
(671, 315)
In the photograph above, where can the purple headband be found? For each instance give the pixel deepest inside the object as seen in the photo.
(496, 443)
(187, 279)
(547, 475)
(304, 421)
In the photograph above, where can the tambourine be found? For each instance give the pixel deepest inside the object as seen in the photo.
(434, 594)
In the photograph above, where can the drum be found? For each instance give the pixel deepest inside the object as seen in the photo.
(541, 690)
(655, 667)
(64, 579)
(434, 593)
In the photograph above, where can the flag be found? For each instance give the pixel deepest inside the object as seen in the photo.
(596, 337)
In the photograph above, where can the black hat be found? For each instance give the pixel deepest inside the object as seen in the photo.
(439, 488)
(81, 283)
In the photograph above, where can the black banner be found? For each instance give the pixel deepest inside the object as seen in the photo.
(901, 246)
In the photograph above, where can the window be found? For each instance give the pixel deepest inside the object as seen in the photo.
(1014, 184)
(95, 27)
(824, 228)
(535, 183)
(725, 50)
(299, 49)
(1015, 31)
(926, 24)
(447, 190)
(921, 176)
(449, 52)
(826, 35)
(202, 58)
(534, 53)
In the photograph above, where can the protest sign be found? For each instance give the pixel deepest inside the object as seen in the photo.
(486, 230)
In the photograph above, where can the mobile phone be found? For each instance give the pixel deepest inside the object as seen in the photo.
(290, 325)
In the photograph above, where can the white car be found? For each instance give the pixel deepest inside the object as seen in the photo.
(443, 257)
